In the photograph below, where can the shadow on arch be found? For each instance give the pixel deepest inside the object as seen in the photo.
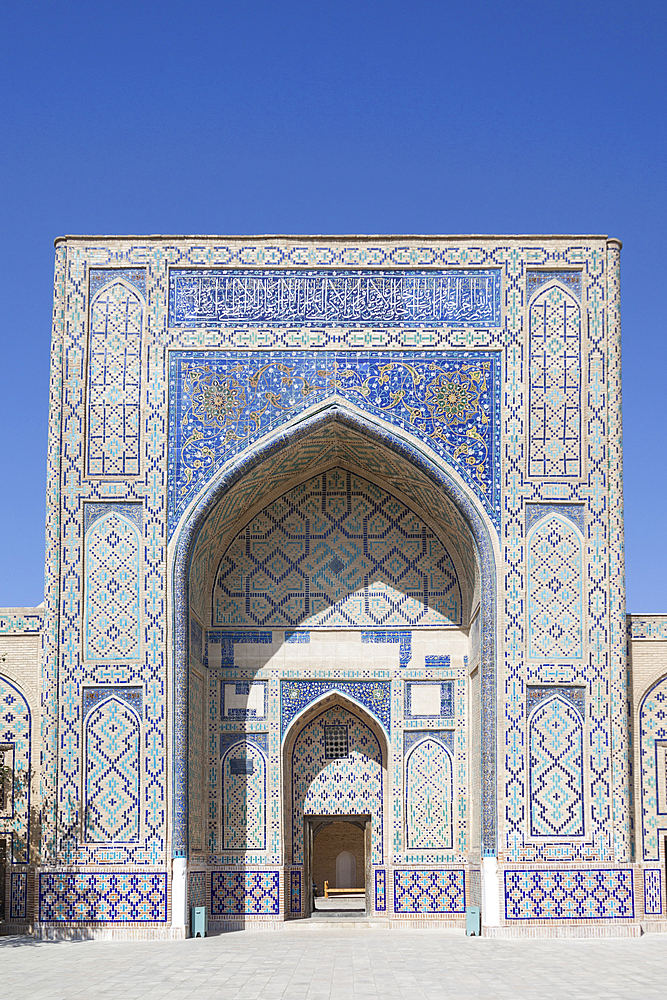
(332, 441)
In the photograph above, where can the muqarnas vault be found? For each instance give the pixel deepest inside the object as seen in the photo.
(334, 592)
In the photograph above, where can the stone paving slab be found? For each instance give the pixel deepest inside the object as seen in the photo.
(387, 965)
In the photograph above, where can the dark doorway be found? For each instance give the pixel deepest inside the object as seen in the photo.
(338, 864)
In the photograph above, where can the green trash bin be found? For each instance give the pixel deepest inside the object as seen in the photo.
(473, 921)
(198, 922)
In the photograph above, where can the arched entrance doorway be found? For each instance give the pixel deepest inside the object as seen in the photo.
(260, 635)
(334, 780)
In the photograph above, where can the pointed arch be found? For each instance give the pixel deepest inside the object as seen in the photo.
(554, 391)
(349, 780)
(112, 563)
(653, 768)
(112, 746)
(556, 770)
(332, 425)
(15, 738)
(429, 796)
(114, 381)
(243, 797)
(555, 588)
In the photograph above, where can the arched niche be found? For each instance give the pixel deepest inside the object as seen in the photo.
(335, 436)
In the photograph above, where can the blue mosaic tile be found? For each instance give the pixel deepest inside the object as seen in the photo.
(244, 893)
(653, 892)
(429, 891)
(589, 894)
(102, 897)
(223, 402)
(537, 279)
(404, 640)
(295, 891)
(380, 890)
(212, 298)
(445, 707)
(303, 637)
(18, 909)
(375, 696)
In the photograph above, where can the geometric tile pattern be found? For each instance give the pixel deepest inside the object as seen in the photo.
(652, 732)
(555, 582)
(430, 891)
(222, 403)
(536, 693)
(112, 773)
(101, 276)
(349, 785)
(196, 766)
(114, 387)
(647, 628)
(196, 888)
(556, 770)
(428, 783)
(402, 639)
(537, 279)
(112, 589)
(102, 897)
(653, 892)
(575, 512)
(243, 798)
(15, 732)
(380, 890)
(591, 894)
(244, 893)
(334, 298)
(295, 891)
(19, 899)
(555, 384)
(375, 696)
(336, 551)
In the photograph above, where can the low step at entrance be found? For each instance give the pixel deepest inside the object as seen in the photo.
(340, 904)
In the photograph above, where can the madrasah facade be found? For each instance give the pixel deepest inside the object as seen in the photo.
(334, 591)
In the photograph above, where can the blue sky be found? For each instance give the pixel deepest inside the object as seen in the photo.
(515, 117)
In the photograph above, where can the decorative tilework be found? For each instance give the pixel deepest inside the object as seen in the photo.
(555, 384)
(228, 740)
(653, 732)
(222, 403)
(302, 637)
(114, 382)
(112, 589)
(249, 892)
(295, 891)
(102, 897)
(404, 640)
(437, 662)
(336, 551)
(653, 892)
(132, 696)
(406, 468)
(18, 909)
(112, 773)
(15, 730)
(380, 890)
(344, 786)
(15, 621)
(210, 298)
(101, 276)
(94, 511)
(375, 696)
(196, 888)
(428, 797)
(574, 511)
(648, 628)
(537, 279)
(556, 770)
(555, 582)
(441, 695)
(196, 763)
(444, 736)
(588, 894)
(220, 645)
(429, 891)
(574, 695)
(244, 798)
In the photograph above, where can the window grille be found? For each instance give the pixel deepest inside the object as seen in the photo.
(335, 742)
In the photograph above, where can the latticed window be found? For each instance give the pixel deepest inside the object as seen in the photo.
(335, 742)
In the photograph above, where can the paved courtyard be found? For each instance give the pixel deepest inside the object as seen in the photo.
(344, 965)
